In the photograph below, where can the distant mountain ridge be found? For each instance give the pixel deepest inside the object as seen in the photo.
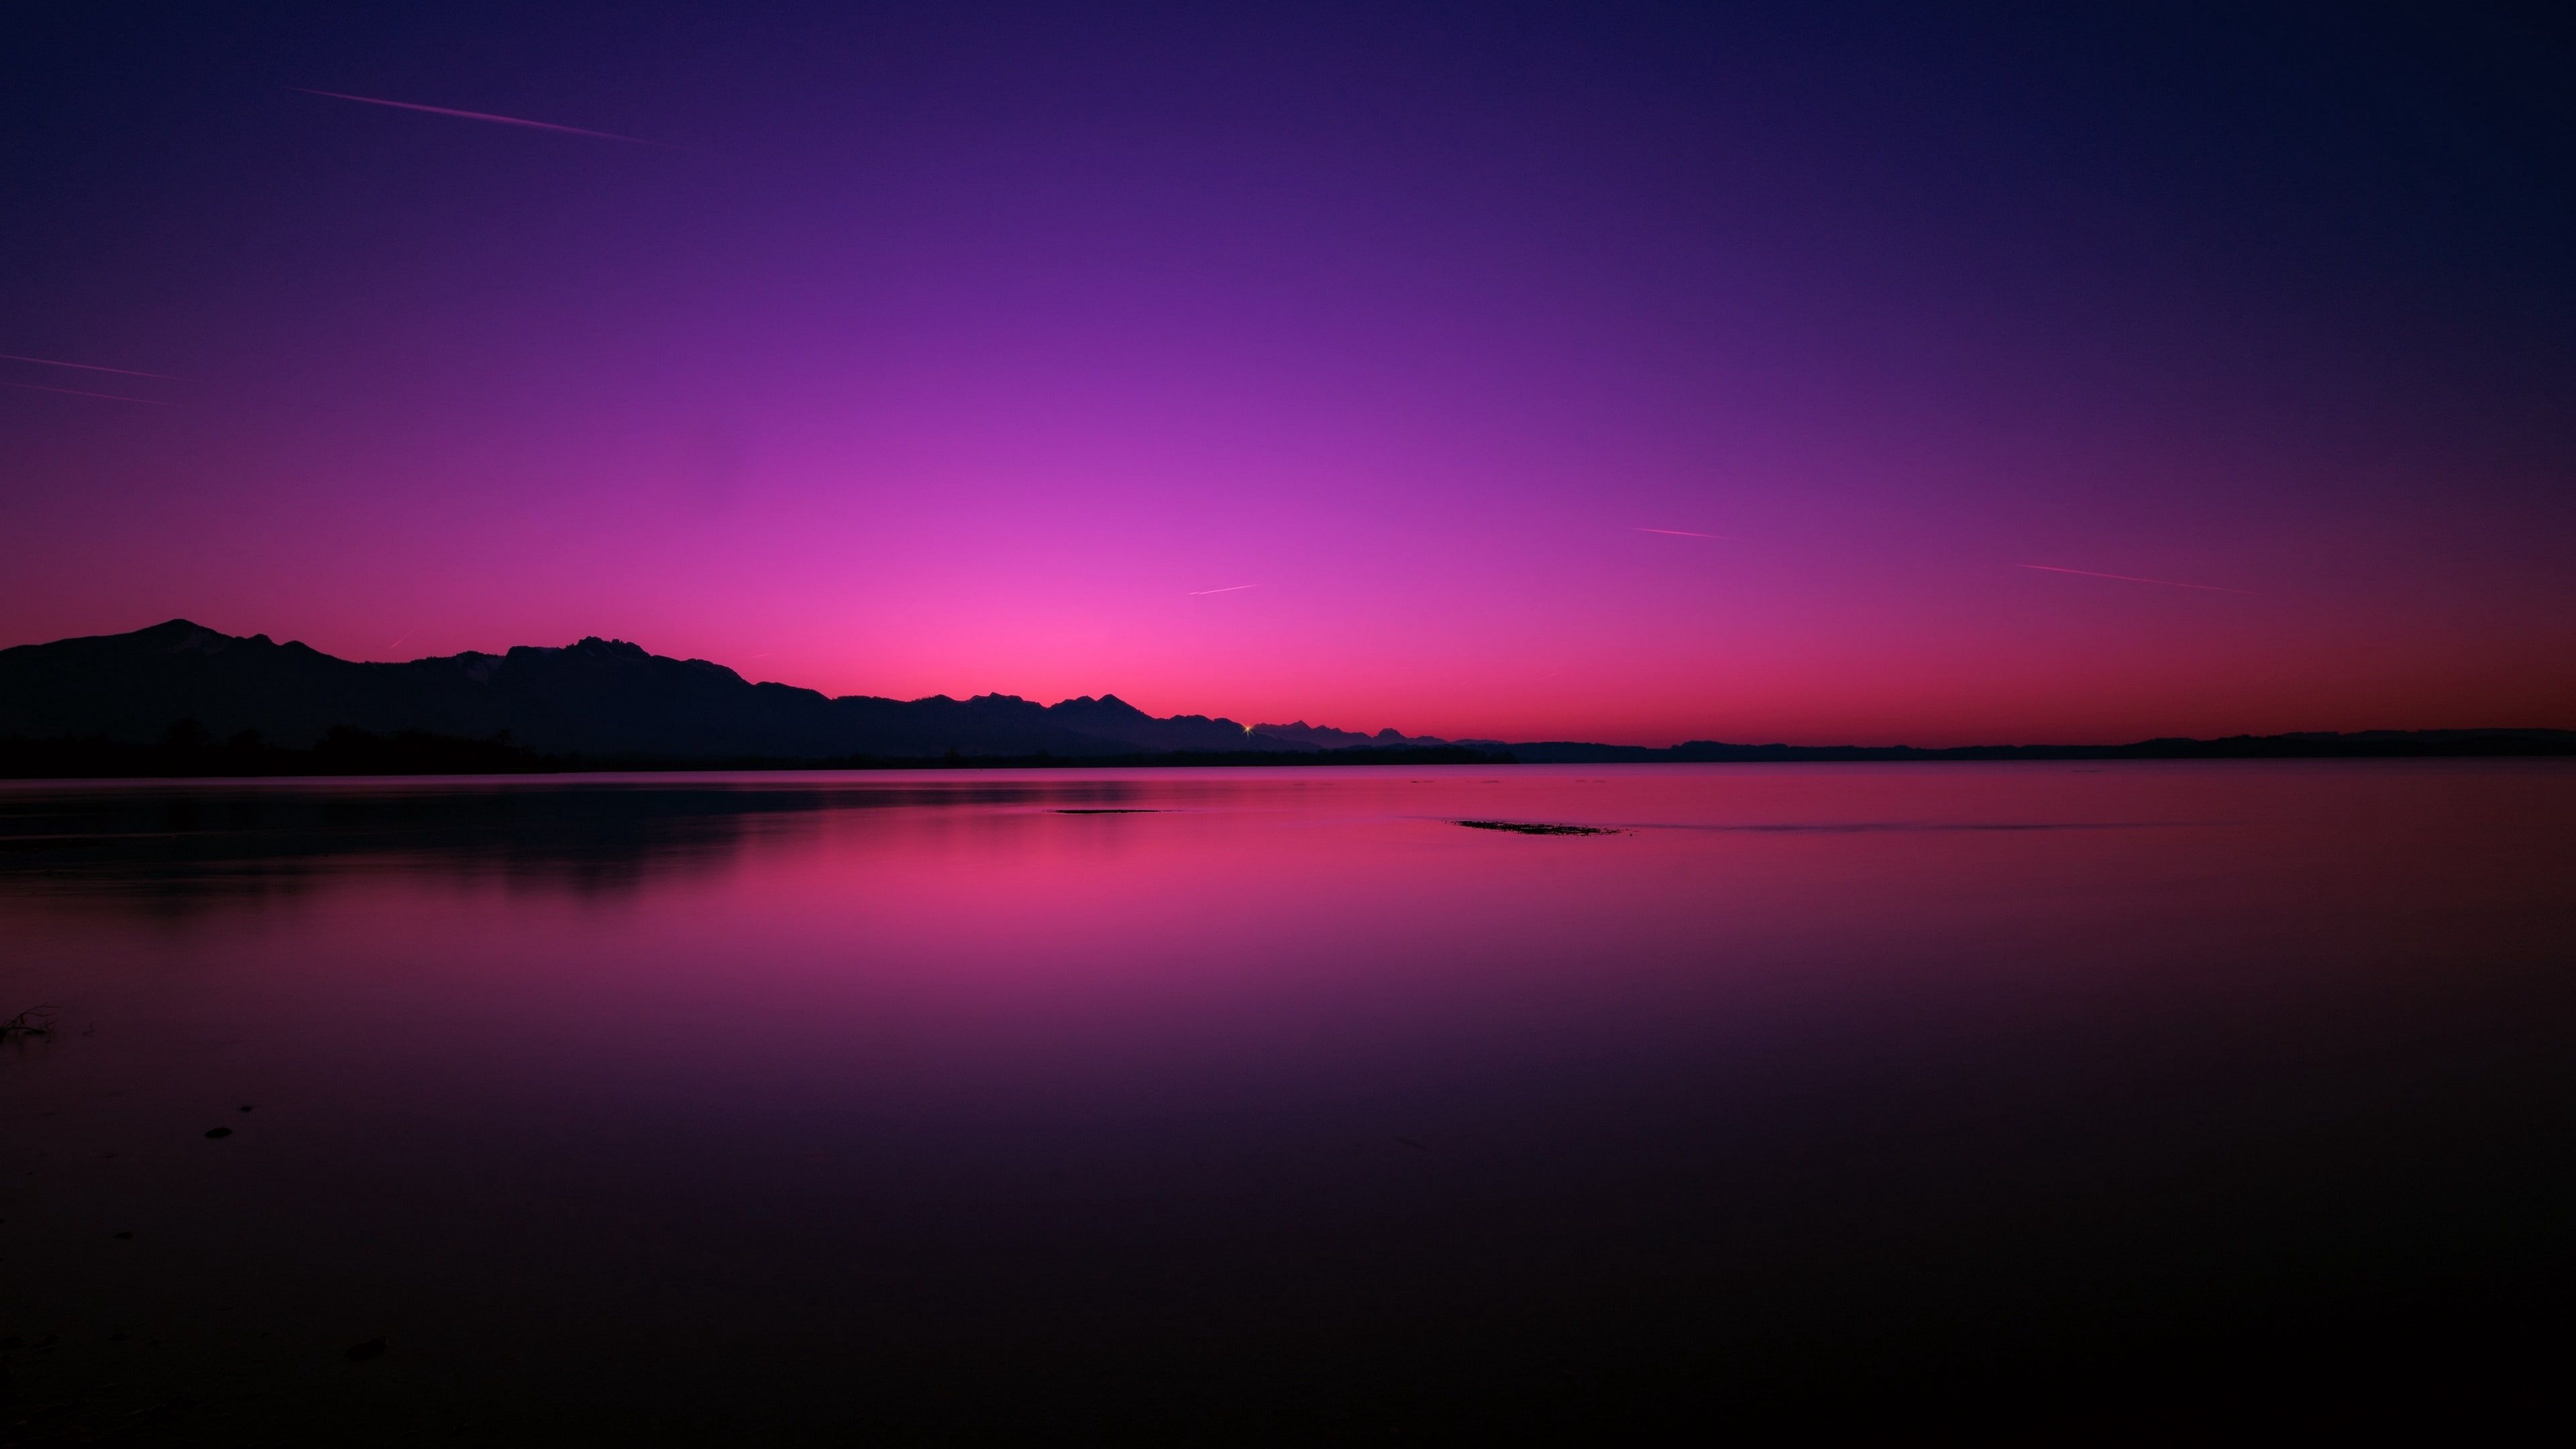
(2304, 745)
(600, 698)
(605, 702)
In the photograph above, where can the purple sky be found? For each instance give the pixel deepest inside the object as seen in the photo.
(1375, 365)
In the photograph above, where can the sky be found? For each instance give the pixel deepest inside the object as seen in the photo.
(1841, 373)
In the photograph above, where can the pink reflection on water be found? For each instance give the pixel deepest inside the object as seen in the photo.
(1261, 934)
(681, 1051)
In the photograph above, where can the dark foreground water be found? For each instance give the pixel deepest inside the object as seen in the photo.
(1831, 1101)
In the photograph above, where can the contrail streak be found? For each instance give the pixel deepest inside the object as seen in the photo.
(1679, 532)
(487, 116)
(84, 366)
(76, 392)
(2134, 579)
(1228, 589)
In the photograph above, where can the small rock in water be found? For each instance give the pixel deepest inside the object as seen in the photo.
(219, 1132)
(372, 1348)
(1521, 828)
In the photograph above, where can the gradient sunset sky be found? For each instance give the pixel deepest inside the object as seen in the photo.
(1811, 372)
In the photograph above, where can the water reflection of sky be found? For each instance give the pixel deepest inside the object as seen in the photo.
(186, 845)
(2005, 1063)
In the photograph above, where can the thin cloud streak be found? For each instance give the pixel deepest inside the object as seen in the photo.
(487, 116)
(76, 392)
(1228, 589)
(2134, 579)
(84, 366)
(1682, 533)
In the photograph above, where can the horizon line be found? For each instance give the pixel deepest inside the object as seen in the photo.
(1470, 739)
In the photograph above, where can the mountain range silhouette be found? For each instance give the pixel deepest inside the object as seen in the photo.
(596, 698)
(180, 688)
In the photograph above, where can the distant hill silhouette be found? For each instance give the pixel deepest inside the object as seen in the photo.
(181, 698)
(598, 699)
(2312, 745)
(1324, 738)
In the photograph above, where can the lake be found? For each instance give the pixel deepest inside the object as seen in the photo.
(1938, 1100)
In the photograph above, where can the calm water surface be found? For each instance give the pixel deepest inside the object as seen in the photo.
(1950, 1099)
